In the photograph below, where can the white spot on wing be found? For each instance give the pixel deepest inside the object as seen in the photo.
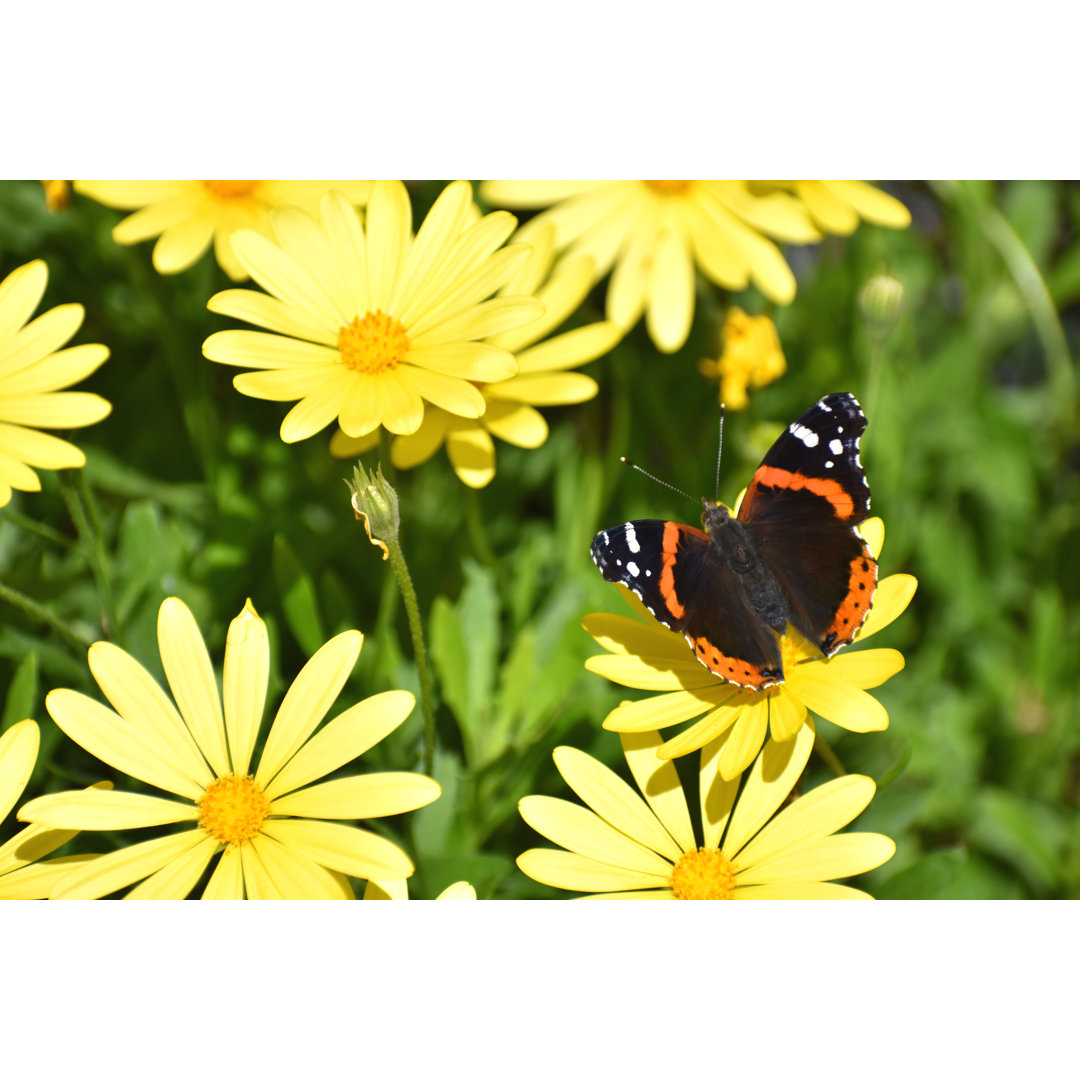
(836, 446)
(631, 539)
(807, 437)
(633, 568)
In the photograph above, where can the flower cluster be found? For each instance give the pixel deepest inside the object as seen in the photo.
(452, 334)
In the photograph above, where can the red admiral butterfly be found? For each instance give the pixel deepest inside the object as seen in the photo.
(793, 554)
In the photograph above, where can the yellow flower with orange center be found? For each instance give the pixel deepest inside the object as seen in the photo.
(627, 844)
(544, 376)
(645, 655)
(653, 234)
(276, 832)
(188, 215)
(369, 324)
(752, 357)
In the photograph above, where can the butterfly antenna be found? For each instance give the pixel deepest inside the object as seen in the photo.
(719, 451)
(627, 461)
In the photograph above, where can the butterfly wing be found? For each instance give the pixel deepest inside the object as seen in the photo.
(679, 576)
(802, 509)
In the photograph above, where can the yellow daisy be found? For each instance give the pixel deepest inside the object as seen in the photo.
(25, 873)
(186, 215)
(752, 357)
(655, 232)
(543, 376)
(275, 834)
(368, 323)
(399, 890)
(32, 372)
(631, 846)
(647, 656)
(837, 205)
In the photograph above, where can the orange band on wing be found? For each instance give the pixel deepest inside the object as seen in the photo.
(842, 504)
(862, 584)
(667, 571)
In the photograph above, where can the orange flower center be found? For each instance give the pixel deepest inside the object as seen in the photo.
(704, 874)
(373, 344)
(668, 187)
(230, 189)
(233, 809)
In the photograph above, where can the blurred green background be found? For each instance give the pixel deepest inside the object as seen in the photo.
(972, 453)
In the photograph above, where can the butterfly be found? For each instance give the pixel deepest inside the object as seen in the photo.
(793, 554)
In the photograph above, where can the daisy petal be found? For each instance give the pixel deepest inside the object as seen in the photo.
(346, 737)
(577, 873)
(837, 702)
(452, 394)
(352, 797)
(312, 692)
(108, 873)
(818, 813)
(717, 795)
(176, 879)
(286, 873)
(659, 783)
(94, 808)
(20, 293)
(767, 785)
(823, 859)
(615, 800)
(865, 668)
(472, 454)
(227, 880)
(244, 681)
(140, 749)
(37, 881)
(892, 597)
(656, 713)
(581, 831)
(191, 679)
(342, 847)
(800, 890)
(18, 753)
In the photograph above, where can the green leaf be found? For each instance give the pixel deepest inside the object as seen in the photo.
(298, 599)
(22, 693)
(925, 880)
(1029, 836)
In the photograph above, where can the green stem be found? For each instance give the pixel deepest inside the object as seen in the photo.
(828, 755)
(36, 611)
(416, 628)
(474, 523)
(90, 536)
(38, 528)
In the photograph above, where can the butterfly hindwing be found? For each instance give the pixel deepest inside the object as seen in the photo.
(677, 574)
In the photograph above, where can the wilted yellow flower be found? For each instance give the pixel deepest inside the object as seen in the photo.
(187, 215)
(32, 372)
(752, 357)
(623, 845)
(275, 834)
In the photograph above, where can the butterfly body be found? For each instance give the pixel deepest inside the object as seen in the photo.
(792, 554)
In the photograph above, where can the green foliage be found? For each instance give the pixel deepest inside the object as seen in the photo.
(972, 451)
